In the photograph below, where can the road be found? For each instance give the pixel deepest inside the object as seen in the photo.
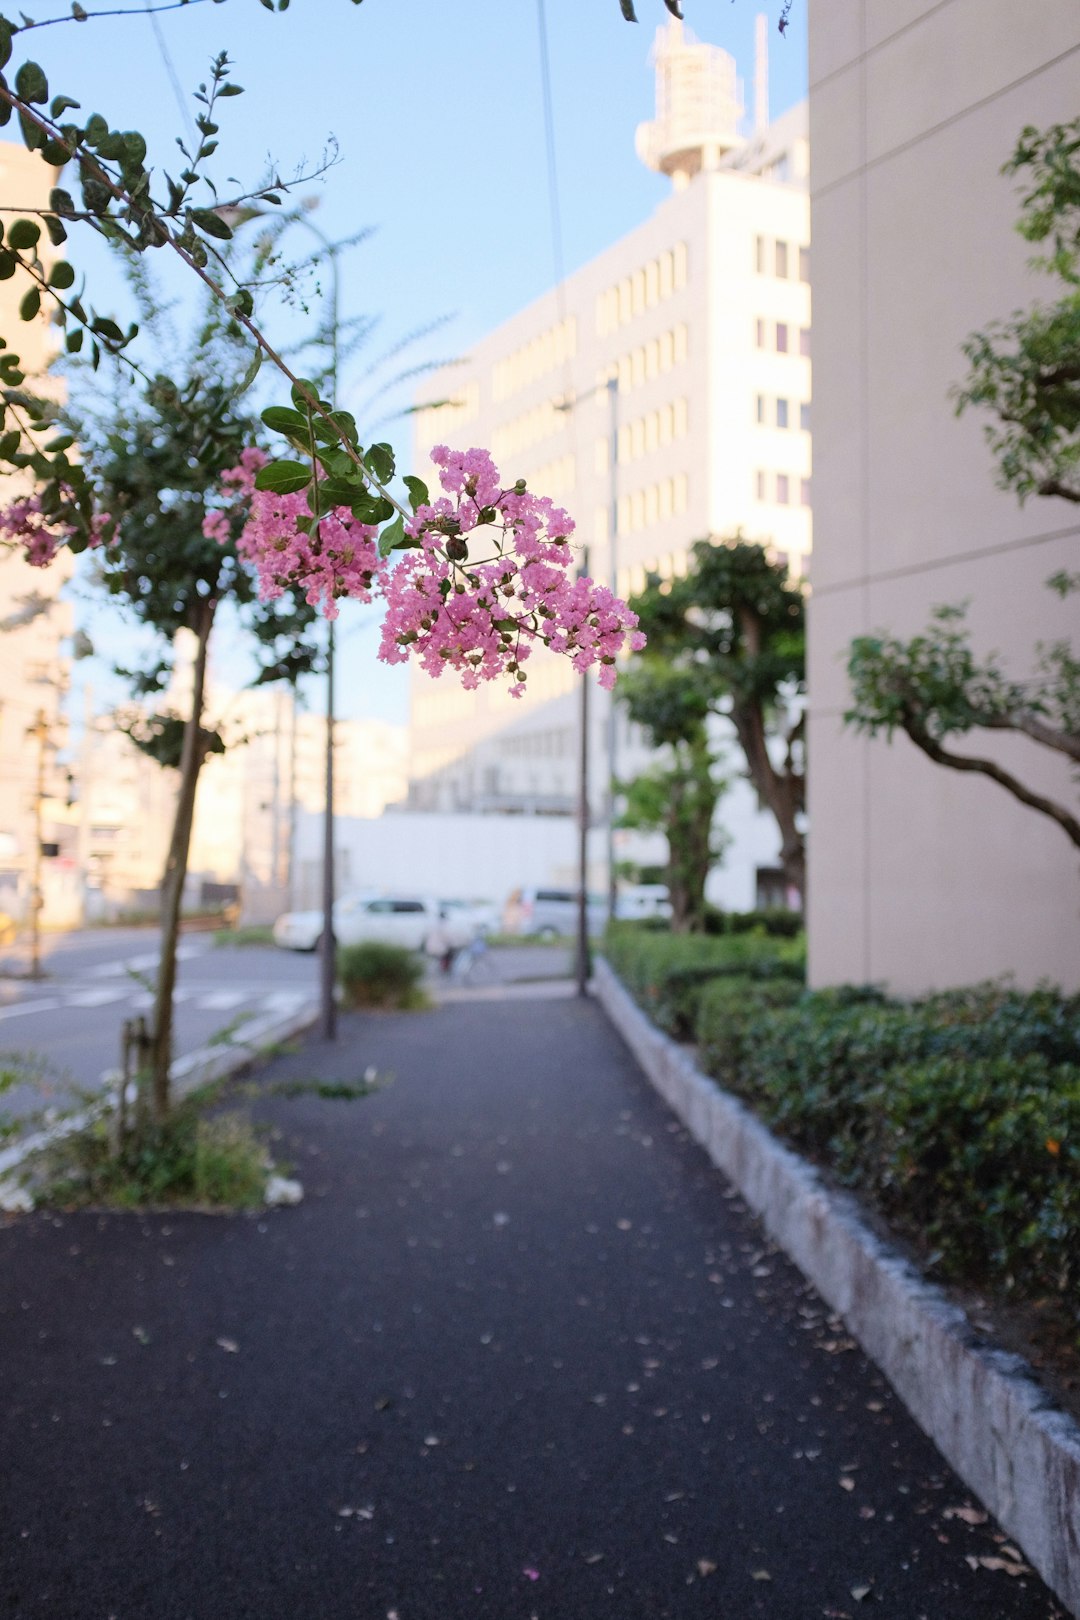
(65, 1027)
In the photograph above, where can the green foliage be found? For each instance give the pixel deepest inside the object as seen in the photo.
(679, 800)
(668, 972)
(1025, 371)
(377, 975)
(958, 1114)
(729, 639)
(217, 1160)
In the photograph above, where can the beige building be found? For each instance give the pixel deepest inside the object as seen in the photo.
(35, 627)
(920, 876)
(702, 314)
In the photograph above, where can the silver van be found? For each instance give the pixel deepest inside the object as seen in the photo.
(551, 913)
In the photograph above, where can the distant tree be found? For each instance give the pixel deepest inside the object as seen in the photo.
(737, 624)
(1025, 372)
(677, 797)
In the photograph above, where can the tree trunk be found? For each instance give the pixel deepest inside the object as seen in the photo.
(781, 791)
(176, 864)
(693, 798)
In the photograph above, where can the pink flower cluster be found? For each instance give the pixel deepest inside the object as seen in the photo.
(341, 558)
(486, 578)
(23, 523)
(491, 579)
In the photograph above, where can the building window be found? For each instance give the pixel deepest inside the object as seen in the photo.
(804, 264)
(782, 260)
(680, 265)
(804, 416)
(781, 413)
(759, 333)
(783, 489)
(759, 485)
(681, 493)
(804, 492)
(681, 340)
(781, 337)
(804, 341)
(759, 408)
(759, 255)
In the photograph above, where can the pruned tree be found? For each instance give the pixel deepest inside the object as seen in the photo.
(677, 796)
(1025, 372)
(738, 623)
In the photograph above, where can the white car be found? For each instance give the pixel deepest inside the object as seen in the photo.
(390, 919)
(639, 901)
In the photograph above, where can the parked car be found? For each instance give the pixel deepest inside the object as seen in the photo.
(551, 913)
(391, 919)
(638, 901)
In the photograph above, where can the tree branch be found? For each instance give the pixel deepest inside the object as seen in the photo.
(988, 767)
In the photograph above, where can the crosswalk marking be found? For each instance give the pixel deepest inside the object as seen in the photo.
(222, 1000)
(94, 998)
(20, 1007)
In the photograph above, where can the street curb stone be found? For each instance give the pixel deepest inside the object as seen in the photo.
(980, 1406)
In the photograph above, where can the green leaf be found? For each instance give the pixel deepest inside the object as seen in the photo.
(297, 397)
(61, 202)
(57, 233)
(23, 233)
(231, 90)
(60, 105)
(418, 491)
(279, 419)
(107, 329)
(30, 305)
(9, 444)
(510, 625)
(283, 477)
(74, 341)
(56, 154)
(208, 221)
(61, 275)
(6, 32)
(380, 459)
(392, 537)
(64, 442)
(251, 373)
(347, 425)
(96, 129)
(31, 83)
(340, 491)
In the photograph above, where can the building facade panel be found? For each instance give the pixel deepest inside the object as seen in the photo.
(920, 876)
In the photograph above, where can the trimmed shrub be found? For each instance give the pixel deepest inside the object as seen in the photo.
(667, 972)
(958, 1115)
(376, 975)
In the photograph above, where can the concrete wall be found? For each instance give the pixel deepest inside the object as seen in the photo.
(919, 876)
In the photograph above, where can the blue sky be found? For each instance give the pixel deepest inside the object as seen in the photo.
(437, 113)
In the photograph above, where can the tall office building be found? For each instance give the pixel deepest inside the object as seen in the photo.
(702, 317)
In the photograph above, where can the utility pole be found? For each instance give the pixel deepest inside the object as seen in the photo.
(40, 733)
(613, 535)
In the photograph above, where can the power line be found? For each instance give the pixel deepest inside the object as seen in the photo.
(174, 80)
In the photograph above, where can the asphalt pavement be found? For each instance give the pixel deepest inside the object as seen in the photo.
(520, 1354)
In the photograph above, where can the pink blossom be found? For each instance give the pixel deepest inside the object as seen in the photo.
(486, 579)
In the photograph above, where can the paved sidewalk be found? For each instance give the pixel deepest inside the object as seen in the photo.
(519, 1353)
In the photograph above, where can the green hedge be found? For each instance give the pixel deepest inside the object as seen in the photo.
(667, 973)
(958, 1114)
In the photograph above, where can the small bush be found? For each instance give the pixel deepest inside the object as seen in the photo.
(374, 975)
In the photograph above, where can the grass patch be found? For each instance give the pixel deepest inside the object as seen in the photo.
(217, 1161)
(252, 934)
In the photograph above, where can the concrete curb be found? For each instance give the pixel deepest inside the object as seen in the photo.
(981, 1407)
(187, 1074)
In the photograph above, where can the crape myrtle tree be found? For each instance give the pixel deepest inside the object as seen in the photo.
(484, 573)
(736, 624)
(678, 796)
(1025, 372)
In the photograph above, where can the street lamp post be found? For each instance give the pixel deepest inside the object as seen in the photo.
(582, 956)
